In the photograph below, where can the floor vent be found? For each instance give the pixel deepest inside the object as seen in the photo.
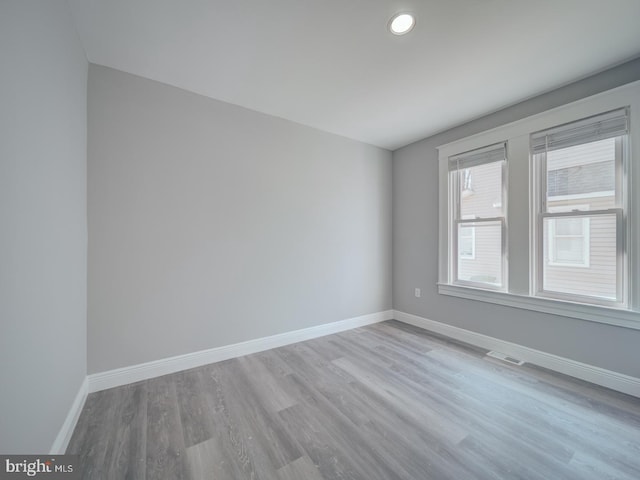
(505, 358)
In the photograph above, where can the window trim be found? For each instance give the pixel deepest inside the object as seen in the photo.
(520, 267)
(561, 307)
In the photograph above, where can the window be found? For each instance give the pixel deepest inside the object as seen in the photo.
(544, 213)
(580, 216)
(477, 217)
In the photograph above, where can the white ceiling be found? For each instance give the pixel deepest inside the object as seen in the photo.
(331, 64)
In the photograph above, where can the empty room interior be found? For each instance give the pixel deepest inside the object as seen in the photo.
(368, 239)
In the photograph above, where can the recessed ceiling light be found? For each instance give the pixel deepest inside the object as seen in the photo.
(401, 23)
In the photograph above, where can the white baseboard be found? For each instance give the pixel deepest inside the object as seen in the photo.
(64, 435)
(600, 376)
(156, 368)
(122, 376)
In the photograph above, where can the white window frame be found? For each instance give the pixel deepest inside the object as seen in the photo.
(520, 292)
(540, 212)
(553, 237)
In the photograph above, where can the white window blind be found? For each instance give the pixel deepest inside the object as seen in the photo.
(492, 153)
(600, 127)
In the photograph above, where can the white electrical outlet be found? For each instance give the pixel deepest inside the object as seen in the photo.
(418, 293)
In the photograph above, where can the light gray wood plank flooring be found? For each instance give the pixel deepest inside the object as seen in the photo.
(387, 401)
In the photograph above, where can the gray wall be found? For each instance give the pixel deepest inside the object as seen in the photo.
(43, 222)
(210, 224)
(415, 248)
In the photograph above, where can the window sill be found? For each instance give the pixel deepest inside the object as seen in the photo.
(592, 313)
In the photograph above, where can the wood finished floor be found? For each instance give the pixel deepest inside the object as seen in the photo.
(387, 401)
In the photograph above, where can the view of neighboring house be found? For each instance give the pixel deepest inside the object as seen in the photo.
(479, 244)
(579, 251)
